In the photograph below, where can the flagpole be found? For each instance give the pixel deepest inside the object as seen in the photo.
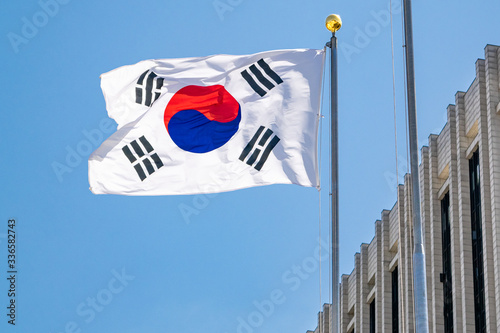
(419, 272)
(333, 24)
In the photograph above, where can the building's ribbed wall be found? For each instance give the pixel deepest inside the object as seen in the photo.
(473, 125)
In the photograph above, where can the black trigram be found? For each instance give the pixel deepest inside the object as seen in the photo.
(144, 90)
(140, 154)
(257, 73)
(263, 144)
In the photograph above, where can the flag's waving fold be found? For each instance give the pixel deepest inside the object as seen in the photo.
(212, 124)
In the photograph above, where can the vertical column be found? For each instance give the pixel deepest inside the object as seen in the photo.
(326, 318)
(384, 279)
(426, 218)
(320, 328)
(436, 246)
(492, 60)
(432, 221)
(358, 302)
(363, 277)
(454, 188)
(463, 288)
(344, 303)
(407, 261)
(487, 228)
(378, 277)
(402, 254)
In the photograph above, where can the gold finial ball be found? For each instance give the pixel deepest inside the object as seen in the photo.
(333, 22)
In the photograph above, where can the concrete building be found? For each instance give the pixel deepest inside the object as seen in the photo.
(460, 198)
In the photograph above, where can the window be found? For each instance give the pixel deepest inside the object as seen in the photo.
(446, 277)
(477, 243)
(395, 301)
(372, 316)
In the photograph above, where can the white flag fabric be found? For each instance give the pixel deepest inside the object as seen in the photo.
(211, 124)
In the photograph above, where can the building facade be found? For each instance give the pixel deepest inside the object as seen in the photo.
(460, 206)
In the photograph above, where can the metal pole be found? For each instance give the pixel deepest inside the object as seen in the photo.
(335, 187)
(333, 23)
(419, 274)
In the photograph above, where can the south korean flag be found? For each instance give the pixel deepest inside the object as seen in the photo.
(211, 124)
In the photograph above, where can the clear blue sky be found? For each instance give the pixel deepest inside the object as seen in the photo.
(90, 263)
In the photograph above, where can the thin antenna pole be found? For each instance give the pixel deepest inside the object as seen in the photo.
(419, 272)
